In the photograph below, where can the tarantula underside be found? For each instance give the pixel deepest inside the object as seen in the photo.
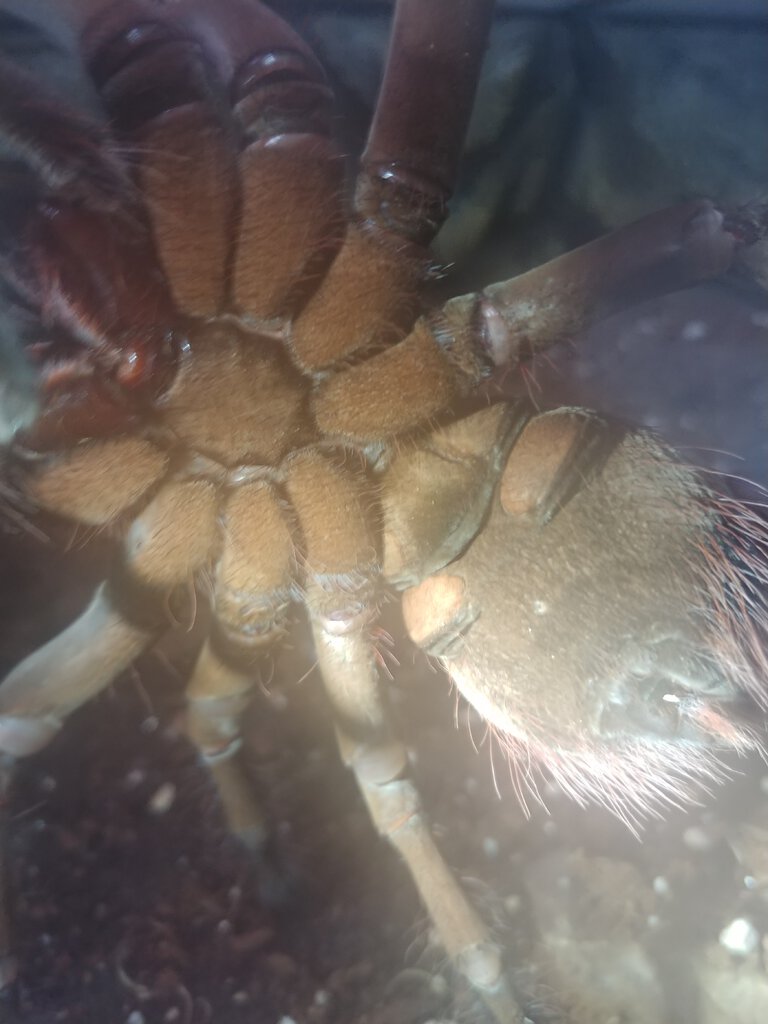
(235, 370)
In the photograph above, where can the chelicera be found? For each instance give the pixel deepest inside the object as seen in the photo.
(236, 368)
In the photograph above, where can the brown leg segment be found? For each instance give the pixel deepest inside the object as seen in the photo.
(183, 151)
(368, 298)
(291, 212)
(395, 391)
(251, 593)
(407, 175)
(203, 59)
(187, 162)
(417, 136)
(339, 599)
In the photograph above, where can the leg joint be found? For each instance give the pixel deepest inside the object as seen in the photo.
(394, 806)
(374, 764)
(213, 724)
(482, 965)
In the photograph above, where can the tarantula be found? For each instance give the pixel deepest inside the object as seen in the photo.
(235, 367)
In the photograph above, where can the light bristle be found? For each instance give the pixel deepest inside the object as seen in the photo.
(735, 586)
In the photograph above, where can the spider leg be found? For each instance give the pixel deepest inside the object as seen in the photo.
(379, 762)
(69, 153)
(435, 493)
(252, 589)
(59, 250)
(663, 252)
(167, 543)
(236, 130)
(406, 178)
(411, 160)
(218, 693)
(87, 655)
(340, 550)
(64, 673)
(458, 346)
(170, 540)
